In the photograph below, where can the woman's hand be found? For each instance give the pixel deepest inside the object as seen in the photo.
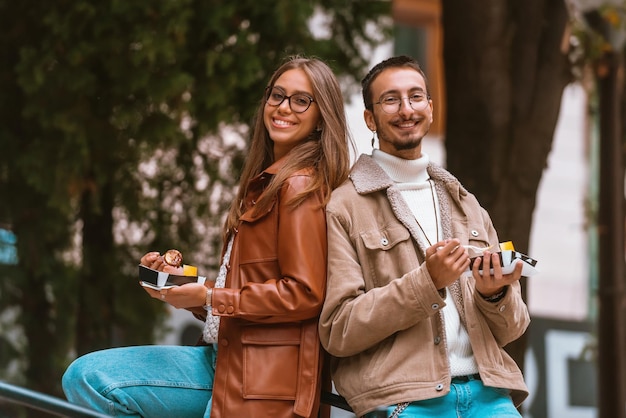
(190, 295)
(155, 261)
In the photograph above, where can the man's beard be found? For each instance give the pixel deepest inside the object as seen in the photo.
(398, 142)
(407, 145)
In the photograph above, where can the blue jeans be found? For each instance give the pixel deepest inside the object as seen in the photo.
(144, 381)
(470, 399)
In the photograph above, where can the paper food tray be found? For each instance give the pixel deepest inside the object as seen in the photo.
(508, 260)
(158, 280)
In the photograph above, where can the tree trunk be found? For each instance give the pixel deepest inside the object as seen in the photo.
(96, 284)
(38, 329)
(612, 285)
(45, 324)
(505, 73)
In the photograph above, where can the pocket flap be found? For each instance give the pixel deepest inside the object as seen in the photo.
(385, 239)
(283, 335)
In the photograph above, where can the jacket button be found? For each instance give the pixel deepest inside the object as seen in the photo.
(384, 241)
(221, 308)
(230, 309)
(474, 233)
(437, 340)
(435, 306)
(439, 387)
(223, 342)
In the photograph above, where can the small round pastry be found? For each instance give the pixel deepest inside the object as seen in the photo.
(173, 257)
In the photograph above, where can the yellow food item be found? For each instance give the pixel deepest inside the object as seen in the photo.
(190, 270)
(507, 245)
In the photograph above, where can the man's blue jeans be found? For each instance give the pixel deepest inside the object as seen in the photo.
(144, 381)
(470, 399)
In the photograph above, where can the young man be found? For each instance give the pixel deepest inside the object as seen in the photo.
(411, 327)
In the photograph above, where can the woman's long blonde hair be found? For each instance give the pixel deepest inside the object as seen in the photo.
(326, 151)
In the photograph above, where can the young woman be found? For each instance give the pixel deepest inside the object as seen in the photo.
(262, 356)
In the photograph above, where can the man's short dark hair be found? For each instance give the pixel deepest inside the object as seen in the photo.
(393, 62)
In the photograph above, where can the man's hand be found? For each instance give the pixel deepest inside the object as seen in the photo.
(488, 284)
(445, 261)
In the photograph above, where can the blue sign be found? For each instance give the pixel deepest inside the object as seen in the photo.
(8, 250)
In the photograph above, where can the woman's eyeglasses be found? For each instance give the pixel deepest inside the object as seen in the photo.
(298, 102)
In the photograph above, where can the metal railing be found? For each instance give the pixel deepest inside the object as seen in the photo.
(46, 403)
(60, 407)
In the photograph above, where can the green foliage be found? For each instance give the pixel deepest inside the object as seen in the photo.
(596, 33)
(124, 125)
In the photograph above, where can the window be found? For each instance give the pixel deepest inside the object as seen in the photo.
(418, 34)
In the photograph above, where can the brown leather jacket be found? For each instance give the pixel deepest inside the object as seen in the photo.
(269, 357)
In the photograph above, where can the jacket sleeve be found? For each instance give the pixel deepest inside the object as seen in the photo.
(508, 318)
(355, 318)
(296, 291)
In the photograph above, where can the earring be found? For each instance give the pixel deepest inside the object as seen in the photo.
(373, 138)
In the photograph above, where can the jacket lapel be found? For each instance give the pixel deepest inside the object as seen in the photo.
(368, 177)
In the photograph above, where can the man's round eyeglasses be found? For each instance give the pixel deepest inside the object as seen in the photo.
(298, 102)
(392, 104)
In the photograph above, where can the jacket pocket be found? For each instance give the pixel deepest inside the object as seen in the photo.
(384, 239)
(479, 237)
(270, 361)
(389, 253)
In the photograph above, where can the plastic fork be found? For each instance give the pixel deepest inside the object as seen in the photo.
(477, 250)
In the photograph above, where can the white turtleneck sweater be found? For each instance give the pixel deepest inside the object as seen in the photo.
(418, 191)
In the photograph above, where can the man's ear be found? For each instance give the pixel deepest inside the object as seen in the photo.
(368, 115)
(430, 104)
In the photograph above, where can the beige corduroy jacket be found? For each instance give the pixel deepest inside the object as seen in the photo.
(382, 319)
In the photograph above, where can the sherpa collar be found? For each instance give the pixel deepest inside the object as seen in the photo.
(368, 177)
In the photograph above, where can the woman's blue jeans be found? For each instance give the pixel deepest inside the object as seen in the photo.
(470, 399)
(144, 381)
